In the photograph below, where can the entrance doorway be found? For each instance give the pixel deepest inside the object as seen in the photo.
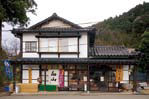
(77, 77)
(102, 78)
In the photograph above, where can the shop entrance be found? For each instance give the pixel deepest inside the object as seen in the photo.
(102, 78)
(77, 77)
(65, 77)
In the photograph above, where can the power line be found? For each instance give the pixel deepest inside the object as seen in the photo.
(87, 23)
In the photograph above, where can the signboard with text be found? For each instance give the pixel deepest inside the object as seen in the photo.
(119, 73)
(54, 77)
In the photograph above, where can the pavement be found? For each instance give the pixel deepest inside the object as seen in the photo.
(79, 97)
(73, 93)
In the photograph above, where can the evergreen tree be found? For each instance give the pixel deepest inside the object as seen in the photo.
(144, 49)
(15, 12)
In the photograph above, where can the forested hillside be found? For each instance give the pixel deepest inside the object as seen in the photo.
(125, 29)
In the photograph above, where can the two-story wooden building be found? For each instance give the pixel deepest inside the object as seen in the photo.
(62, 53)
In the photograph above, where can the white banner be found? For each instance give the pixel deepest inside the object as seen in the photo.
(53, 77)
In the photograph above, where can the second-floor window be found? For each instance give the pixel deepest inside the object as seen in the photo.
(63, 45)
(58, 45)
(30, 46)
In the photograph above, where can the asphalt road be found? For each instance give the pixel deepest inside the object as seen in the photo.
(79, 97)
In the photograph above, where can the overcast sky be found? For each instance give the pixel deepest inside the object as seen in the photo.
(78, 11)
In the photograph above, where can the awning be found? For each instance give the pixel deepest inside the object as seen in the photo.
(73, 61)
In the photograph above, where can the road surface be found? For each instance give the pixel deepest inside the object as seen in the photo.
(79, 97)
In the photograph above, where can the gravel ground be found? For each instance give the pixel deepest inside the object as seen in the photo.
(79, 97)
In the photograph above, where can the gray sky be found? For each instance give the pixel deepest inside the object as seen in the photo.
(78, 11)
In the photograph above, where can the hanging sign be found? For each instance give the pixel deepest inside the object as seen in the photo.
(119, 73)
(54, 77)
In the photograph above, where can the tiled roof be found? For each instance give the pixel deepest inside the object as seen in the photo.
(52, 30)
(103, 51)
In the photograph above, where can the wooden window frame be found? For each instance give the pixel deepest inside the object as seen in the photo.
(58, 51)
(61, 47)
(29, 47)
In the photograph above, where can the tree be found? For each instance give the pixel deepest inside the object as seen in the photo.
(11, 47)
(15, 13)
(140, 24)
(144, 49)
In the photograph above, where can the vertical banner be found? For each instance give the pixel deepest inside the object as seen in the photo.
(8, 69)
(61, 78)
(54, 77)
(119, 73)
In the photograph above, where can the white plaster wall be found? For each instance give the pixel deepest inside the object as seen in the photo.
(49, 56)
(68, 55)
(30, 55)
(83, 46)
(29, 37)
(56, 23)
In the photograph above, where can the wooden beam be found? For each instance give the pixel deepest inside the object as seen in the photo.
(135, 79)
(88, 78)
(45, 78)
(58, 52)
(21, 46)
(21, 73)
(14, 77)
(38, 44)
(40, 73)
(58, 46)
(78, 42)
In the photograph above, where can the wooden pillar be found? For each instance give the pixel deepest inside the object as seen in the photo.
(78, 46)
(14, 77)
(135, 78)
(45, 78)
(68, 70)
(88, 78)
(21, 72)
(78, 78)
(129, 73)
(30, 75)
(21, 46)
(40, 71)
